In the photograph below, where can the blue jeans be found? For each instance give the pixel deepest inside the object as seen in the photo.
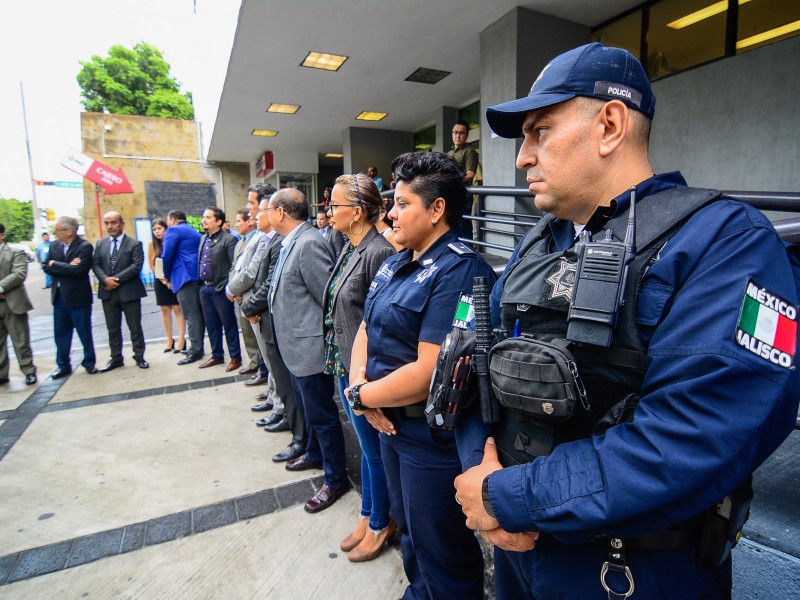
(65, 319)
(374, 493)
(219, 315)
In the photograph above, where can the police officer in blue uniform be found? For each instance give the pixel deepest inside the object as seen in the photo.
(410, 309)
(596, 507)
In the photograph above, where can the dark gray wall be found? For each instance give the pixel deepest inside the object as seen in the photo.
(733, 124)
(364, 147)
(514, 50)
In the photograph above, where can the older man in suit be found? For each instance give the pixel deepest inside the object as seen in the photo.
(214, 264)
(246, 259)
(14, 307)
(179, 254)
(304, 265)
(69, 263)
(287, 414)
(118, 261)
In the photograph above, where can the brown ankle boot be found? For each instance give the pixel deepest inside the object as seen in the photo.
(354, 539)
(372, 544)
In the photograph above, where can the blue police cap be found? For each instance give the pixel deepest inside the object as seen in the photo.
(593, 70)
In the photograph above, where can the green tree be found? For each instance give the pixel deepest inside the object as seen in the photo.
(133, 82)
(17, 216)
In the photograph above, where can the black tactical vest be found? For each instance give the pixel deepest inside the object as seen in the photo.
(537, 293)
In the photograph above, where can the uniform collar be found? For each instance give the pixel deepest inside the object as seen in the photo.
(564, 233)
(434, 252)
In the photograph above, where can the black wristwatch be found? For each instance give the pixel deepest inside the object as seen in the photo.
(487, 503)
(354, 397)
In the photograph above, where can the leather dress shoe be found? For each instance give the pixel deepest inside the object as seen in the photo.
(269, 420)
(59, 373)
(291, 451)
(278, 426)
(190, 358)
(249, 371)
(4, 380)
(112, 364)
(263, 396)
(301, 463)
(210, 363)
(92, 370)
(263, 407)
(142, 364)
(324, 498)
(233, 365)
(256, 380)
(30, 379)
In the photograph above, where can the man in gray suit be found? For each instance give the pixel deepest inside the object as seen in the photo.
(14, 307)
(246, 258)
(287, 414)
(304, 265)
(118, 261)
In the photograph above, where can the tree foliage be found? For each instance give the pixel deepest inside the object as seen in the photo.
(133, 82)
(17, 216)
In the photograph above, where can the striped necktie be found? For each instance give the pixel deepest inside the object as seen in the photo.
(114, 256)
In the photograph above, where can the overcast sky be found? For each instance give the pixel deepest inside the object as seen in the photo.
(41, 44)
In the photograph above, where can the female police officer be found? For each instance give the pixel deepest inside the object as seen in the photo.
(408, 313)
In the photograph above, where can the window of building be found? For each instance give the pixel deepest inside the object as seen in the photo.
(625, 32)
(684, 33)
(764, 22)
(425, 139)
(670, 36)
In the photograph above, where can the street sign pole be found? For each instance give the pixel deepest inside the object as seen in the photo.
(97, 204)
(37, 227)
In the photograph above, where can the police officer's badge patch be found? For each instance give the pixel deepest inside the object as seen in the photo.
(767, 325)
(426, 273)
(562, 280)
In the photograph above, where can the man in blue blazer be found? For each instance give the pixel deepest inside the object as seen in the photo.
(69, 263)
(117, 263)
(181, 243)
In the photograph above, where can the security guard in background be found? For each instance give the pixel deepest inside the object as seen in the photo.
(578, 509)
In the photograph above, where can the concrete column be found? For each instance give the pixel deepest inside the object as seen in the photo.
(514, 49)
(446, 117)
(363, 147)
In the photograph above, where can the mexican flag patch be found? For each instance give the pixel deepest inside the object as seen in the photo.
(767, 325)
(465, 313)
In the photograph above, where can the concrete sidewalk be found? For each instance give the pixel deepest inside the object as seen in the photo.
(157, 484)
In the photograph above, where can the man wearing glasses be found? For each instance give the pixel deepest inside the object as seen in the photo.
(467, 157)
(69, 263)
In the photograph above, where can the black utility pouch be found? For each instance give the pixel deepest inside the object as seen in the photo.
(537, 378)
(453, 386)
(722, 526)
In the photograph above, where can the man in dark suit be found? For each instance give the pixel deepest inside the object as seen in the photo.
(118, 261)
(298, 285)
(69, 263)
(179, 254)
(213, 267)
(14, 307)
(335, 239)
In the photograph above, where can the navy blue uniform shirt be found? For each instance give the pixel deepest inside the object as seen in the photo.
(711, 410)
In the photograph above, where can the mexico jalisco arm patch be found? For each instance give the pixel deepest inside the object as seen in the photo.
(767, 325)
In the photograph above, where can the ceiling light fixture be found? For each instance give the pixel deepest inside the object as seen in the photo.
(264, 132)
(334, 155)
(768, 35)
(366, 115)
(430, 76)
(702, 14)
(326, 62)
(284, 109)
